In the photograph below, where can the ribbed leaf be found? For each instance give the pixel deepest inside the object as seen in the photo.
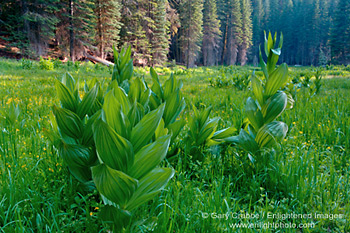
(116, 216)
(82, 174)
(87, 102)
(114, 185)
(115, 118)
(176, 127)
(122, 98)
(257, 89)
(169, 86)
(207, 130)
(69, 81)
(174, 106)
(254, 114)
(74, 155)
(149, 157)
(161, 131)
(247, 142)
(114, 150)
(135, 114)
(68, 122)
(272, 59)
(263, 65)
(290, 101)
(274, 107)
(149, 186)
(142, 133)
(224, 133)
(126, 72)
(204, 116)
(276, 80)
(271, 133)
(66, 96)
(88, 136)
(156, 87)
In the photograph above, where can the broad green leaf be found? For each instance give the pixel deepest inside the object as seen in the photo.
(156, 87)
(263, 65)
(207, 130)
(176, 127)
(113, 150)
(160, 131)
(115, 118)
(204, 116)
(276, 80)
(68, 122)
(258, 89)
(74, 155)
(149, 186)
(154, 101)
(272, 60)
(266, 45)
(247, 142)
(169, 86)
(271, 134)
(270, 44)
(114, 185)
(88, 136)
(224, 133)
(69, 82)
(281, 41)
(115, 216)
(87, 102)
(122, 98)
(290, 101)
(135, 114)
(126, 72)
(66, 96)
(254, 114)
(143, 132)
(173, 107)
(149, 157)
(82, 174)
(274, 106)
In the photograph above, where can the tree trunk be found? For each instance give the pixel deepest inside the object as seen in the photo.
(71, 31)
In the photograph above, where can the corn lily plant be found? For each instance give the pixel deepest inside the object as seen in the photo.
(269, 101)
(113, 139)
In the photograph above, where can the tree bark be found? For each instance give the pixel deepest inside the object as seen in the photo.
(71, 31)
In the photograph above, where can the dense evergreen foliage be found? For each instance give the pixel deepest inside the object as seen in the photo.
(191, 32)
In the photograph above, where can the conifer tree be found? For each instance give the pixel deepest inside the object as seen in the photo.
(211, 33)
(108, 25)
(191, 18)
(233, 32)
(159, 39)
(340, 35)
(247, 33)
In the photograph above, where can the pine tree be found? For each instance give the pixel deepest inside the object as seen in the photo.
(211, 33)
(76, 28)
(340, 35)
(233, 33)
(191, 18)
(247, 33)
(108, 25)
(258, 14)
(159, 39)
(30, 24)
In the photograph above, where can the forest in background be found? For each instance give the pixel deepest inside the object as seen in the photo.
(189, 32)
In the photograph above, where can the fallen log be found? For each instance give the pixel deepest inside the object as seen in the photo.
(100, 60)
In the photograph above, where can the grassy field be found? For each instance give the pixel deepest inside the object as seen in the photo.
(306, 189)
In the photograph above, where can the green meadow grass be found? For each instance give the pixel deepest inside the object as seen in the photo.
(310, 175)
